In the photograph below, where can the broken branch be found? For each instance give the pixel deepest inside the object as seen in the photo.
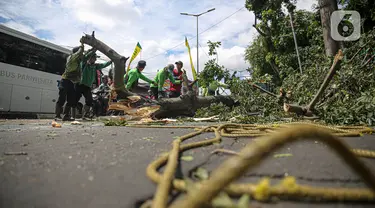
(118, 60)
(335, 66)
(263, 90)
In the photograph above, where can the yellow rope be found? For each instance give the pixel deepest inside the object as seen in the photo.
(251, 155)
(162, 191)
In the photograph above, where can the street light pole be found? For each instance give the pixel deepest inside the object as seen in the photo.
(197, 16)
(295, 41)
(197, 52)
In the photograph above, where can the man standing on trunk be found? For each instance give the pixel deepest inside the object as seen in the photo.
(89, 68)
(175, 89)
(71, 76)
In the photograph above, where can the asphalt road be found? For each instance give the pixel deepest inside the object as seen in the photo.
(96, 166)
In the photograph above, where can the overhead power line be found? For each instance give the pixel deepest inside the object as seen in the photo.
(204, 51)
(196, 36)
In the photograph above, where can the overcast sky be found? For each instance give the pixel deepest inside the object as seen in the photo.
(156, 24)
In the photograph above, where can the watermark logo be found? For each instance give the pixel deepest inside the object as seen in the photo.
(345, 25)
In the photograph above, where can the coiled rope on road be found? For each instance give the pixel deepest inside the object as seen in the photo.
(271, 138)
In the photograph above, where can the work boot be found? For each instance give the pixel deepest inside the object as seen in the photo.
(67, 116)
(58, 111)
(86, 112)
(74, 111)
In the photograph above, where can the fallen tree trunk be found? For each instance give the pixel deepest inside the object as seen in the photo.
(169, 107)
(118, 60)
(187, 105)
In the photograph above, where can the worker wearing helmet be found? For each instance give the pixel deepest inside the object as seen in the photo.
(162, 75)
(131, 78)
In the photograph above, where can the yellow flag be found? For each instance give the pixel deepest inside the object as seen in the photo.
(191, 60)
(137, 49)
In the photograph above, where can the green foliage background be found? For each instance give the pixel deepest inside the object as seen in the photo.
(349, 99)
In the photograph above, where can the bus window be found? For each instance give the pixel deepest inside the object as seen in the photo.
(3, 55)
(23, 53)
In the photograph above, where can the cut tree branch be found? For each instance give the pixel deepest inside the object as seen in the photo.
(263, 90)
(359, 50)
(336, 66)
(368, 61)
(118, 60)
(188, 104)
(255, 26)
(308, 111)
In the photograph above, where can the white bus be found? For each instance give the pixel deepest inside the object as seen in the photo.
(30, 69)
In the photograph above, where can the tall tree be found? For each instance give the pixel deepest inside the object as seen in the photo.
(268, 14)
(308, 32)
(327, 7)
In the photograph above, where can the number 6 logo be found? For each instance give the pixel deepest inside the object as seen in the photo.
(345, 25)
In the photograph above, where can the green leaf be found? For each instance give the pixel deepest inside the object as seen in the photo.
(282, 155)
(201, 173)
(187, 158)
(244, 201)
(148, 138)
(223, 201)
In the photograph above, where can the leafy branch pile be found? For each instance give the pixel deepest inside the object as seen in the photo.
(349, 98)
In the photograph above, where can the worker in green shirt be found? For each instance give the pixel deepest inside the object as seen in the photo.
(131, 78)
(89, 68)
(212, 87)
(162, 75)
(67, 92)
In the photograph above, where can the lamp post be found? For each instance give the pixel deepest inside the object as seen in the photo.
(295, 40)
(197, 15)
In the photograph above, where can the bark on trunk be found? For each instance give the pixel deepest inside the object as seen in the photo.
(118, 60)
(326, 8)
(187, 105)
(335, 66)
(269, 48)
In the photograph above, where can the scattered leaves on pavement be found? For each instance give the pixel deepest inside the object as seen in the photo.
(148, 138)
(282, 155)
(115, 122)
(244, 201)
(187, 158)
(201, 173)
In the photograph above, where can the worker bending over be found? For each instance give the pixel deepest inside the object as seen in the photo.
(131, 78)
(162, 75)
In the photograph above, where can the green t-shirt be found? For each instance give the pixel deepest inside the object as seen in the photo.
(133, 76)
(89, 70)
(160, 78)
